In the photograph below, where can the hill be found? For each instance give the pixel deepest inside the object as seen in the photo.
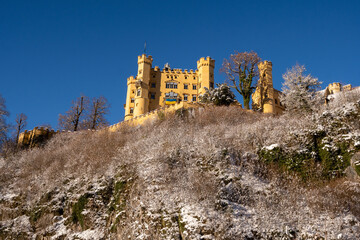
(208, 173)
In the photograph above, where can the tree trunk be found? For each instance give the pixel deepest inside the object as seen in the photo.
(246, 102)
(17, 135)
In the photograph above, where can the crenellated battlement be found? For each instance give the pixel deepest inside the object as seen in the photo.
(264, 64)
(179, 71)
(334, 87)
(208, 61)
(130, 79)
(35, 137)
(347, 87)
(143, 58)
(174, 70)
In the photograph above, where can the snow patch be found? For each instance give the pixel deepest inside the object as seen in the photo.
(271, 147)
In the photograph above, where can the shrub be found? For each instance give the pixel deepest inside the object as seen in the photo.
(222, 95)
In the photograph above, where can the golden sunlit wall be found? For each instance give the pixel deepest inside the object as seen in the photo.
(154, 87)
(265, 95)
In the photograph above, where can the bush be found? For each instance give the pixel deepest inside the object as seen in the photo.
(222, 95)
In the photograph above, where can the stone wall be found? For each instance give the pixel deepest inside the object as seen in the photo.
(35, 137)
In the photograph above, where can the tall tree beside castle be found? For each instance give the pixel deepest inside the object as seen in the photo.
(242, 73)
(21, 121)
(3, 114)
(299, 89)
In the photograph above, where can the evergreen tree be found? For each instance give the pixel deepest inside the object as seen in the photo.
(222, 95)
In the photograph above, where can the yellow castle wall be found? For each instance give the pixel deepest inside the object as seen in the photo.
(151, 82)
(152, 115)
(34, 137)
(265, 94)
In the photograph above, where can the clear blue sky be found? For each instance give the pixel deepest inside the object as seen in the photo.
(53, 51)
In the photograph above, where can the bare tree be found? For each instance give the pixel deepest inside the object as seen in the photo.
(241, 70)
(73, 118)
(98, 108)
(3, 125)
(21, 121)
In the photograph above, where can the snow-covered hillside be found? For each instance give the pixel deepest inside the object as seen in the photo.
(212, 173)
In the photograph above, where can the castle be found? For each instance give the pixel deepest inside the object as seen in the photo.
(334, 88)
(35, 137)
(154, 92)
(266, 97)
(154, 88)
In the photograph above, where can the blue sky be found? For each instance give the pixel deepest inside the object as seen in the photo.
(53, 51)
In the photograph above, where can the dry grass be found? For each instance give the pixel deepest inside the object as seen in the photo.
(160, 150)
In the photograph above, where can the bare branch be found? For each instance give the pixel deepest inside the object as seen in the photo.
(244, 66)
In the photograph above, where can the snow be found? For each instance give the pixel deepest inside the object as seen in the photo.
(272, 147)
(206, 177)
(59, 228)
(89, 234)
(8, 196)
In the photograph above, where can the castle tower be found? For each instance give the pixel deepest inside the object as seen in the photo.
(142, 81)
(334, 87)
(266, 86)
(130, 98)
(205, 74)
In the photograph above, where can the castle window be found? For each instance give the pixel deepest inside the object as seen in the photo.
(194, 78)
(172, 85)
(194, 98)
(152, 95)
(186, 86)
(175, 77)
(185, 77)
(153, 85)
(140, 71)
(133, 91)
(276, 102)
(185, 97)
(167, 76)
(132, 100)
(154, 75)
(138, 92)
(131, 110)
(194, 86)
(212, 85)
